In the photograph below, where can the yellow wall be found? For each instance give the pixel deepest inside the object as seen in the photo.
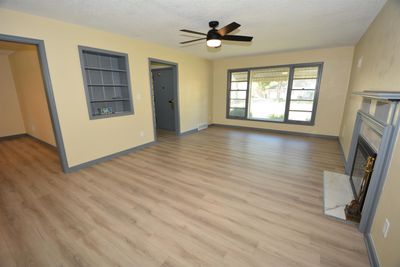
(28, 81)
(87, 139)
(11, 122)
(379, 49)
(332, 96)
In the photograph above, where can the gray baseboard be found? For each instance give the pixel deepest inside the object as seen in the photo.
(10, 137)
(42, 142)
(109, 157)
(332, 137)
(373, 257)
(188, 132)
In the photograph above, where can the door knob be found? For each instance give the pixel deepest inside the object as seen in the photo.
(172, 102)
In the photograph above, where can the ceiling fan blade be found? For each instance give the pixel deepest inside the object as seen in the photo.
(228, 28)
(186, 42)
(237, 38)
(194, 32)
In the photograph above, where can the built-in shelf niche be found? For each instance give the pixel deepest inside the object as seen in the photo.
(107, 82)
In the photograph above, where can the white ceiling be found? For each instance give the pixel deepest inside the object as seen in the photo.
(277, 25)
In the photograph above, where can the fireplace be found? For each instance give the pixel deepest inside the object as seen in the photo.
(355, 194)
(360, 176)
(374, 135)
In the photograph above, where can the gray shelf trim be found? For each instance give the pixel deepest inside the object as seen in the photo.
(108, 85)
(110, 100)
(104, 69)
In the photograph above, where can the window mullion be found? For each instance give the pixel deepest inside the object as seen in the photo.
(228, 96)
(316, 94)
(247, 95)
(289, 93)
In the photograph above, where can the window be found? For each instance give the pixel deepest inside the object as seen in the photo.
(286, 94)
(107, 83)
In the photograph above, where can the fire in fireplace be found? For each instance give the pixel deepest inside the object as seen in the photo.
(360, 177)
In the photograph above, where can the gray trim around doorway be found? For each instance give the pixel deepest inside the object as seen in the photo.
(176, 95)
(48, 90)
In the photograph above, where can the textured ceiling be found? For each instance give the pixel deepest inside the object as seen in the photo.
(277, 25)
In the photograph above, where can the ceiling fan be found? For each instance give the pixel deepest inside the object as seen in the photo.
(214, 36)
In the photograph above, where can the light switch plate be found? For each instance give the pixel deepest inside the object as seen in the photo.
(385, 229)
(360, 62)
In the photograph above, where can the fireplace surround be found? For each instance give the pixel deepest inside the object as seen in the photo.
(375, 132)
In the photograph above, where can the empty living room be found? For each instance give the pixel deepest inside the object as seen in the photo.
(172, 133)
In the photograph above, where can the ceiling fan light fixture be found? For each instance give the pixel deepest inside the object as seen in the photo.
(214, 43)
(215, 36)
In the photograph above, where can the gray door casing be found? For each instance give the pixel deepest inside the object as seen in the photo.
(164, 100)
(48, 90)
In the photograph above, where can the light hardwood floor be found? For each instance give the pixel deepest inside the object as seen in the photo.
(221, 197)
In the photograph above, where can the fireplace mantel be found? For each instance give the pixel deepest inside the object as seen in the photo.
(379, 119)
(381, 95)
(381, 107)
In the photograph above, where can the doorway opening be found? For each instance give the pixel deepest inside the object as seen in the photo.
(164, 91)
(29, 119)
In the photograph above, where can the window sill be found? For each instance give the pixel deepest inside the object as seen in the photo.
(303, 123)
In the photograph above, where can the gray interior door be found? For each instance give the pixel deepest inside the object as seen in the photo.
(163, 85)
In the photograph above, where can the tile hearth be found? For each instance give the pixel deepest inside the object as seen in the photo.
(337, 194)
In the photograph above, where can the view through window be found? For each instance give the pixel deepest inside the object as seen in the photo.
(281, 94)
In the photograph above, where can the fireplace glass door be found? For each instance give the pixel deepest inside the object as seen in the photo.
(362, 169)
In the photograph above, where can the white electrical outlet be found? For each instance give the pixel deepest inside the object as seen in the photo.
(141, 133)
(385, 229)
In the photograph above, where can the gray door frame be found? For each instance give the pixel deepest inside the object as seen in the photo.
(48, 91)
(174, 67)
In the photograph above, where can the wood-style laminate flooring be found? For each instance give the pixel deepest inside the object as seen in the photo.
(221, 197)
